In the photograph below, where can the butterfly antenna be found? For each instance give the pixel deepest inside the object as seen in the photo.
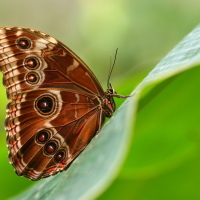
(111, 68)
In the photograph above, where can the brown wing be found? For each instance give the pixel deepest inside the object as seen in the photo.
(33, 57)
(43, 142)
(54, 108)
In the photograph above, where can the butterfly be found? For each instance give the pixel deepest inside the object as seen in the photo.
(56, 104)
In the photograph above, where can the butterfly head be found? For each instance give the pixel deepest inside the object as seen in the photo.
(108, 101)
(110, 90)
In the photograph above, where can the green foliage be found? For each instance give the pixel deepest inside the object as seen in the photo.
(163, 161)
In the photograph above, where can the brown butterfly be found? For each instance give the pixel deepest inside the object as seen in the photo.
(56, 104)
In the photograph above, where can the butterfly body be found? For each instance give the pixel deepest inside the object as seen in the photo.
(56, 104)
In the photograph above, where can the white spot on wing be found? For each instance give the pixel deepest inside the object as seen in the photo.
(41, 40)
(77, 97)
(52, 40)
(75, 113)
(86, 74)
(19, 33)
(2, 31)
(23, 98)
(73, 66)
(17, 129)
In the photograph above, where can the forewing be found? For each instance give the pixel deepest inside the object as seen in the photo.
(30, 59)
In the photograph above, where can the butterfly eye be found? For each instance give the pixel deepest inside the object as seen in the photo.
(32, 78)
(60, 156)
(45, 105)
(24, 43)
(51, 147)
(42, 136)
(31, 63)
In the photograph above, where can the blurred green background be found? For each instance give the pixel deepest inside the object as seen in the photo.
(143, 30)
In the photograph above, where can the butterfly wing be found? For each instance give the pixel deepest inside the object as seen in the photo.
(31, 59)
(55, 102)
(43, 142)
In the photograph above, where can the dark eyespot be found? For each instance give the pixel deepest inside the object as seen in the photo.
(24, 43)
(51, 147)
(45, 104)
(60, 156)
(43, 136)
(31, 63)
(32, 78)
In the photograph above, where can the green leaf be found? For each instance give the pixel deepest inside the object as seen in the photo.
(164, 159)
(160, 146)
